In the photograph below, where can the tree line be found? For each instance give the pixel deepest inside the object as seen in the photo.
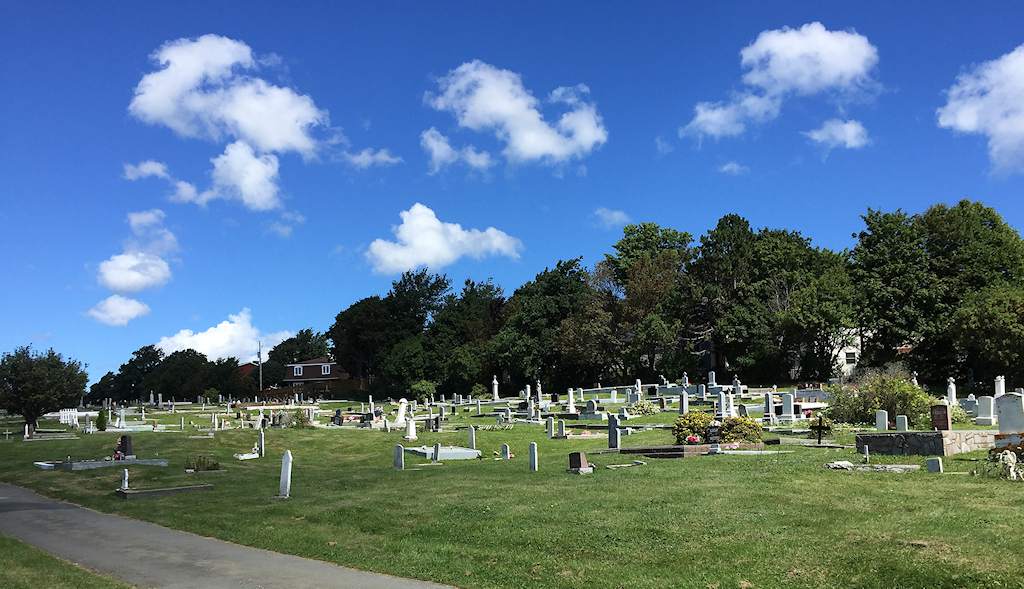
(940, 292)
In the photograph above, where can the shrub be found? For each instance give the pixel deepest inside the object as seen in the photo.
(201, 463)
(300, 419)
(101, 421)
(694, 423)
(958, 414)
(422, 390)
(643, 407)
(740, 429)
(829, 427)
(479, 391)
(889, 389)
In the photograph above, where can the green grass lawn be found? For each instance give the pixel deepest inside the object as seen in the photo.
(774, 520)
(25, 567)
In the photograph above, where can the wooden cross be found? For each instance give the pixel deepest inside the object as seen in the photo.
(821, 427)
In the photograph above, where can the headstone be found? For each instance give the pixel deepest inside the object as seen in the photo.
(951, 391)
(941, 419)
(437, 452)
(182, 423)
(662, 403)
(506, 453)
(578, 460)
(152, 401)
(410, 431)
(263, 445)
(286, 475)
(531, 409)
(529, 392)
(125, 445)
(560, 429)
(1010, 413)
(440, 411)
(684, 403)
(494, 388)
(540, 393)
(970, 405)
(534, 464)
(549, 427)
(702, 393)
(986, 411)
(120, 419)
(399, 457)
(901, 423)
(571, 407)
(935, 465)
(591, 406)
(403, 408)
(615, 396)
(787, 406)
(769, 409)
(722, 410)
(124, 479)
(613, 431)
(1000, 386)
(478, 408)
(882, 420)
(472, 437)
(711, 378)
(743, 411)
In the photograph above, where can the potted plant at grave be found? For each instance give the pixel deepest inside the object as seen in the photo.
(691, 440)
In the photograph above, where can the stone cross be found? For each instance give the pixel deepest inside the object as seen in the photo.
(286, 475)
(534, 464)
(540, 394)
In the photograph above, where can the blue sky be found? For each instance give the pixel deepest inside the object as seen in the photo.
(212, 174)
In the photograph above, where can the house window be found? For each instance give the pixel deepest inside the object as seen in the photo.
(851, 357)
(325, 369)
(298, 371)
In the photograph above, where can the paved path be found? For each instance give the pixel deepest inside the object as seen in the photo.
(152, 556)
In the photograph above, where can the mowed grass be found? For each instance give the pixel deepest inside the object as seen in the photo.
(25, 567)
(771, 520)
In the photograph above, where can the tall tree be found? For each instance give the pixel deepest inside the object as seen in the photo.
(359, 337)
(456, 341)
(32, 384)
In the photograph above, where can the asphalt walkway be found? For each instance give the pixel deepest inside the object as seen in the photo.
(152, 556)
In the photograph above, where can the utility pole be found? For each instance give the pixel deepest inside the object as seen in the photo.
(260, 362)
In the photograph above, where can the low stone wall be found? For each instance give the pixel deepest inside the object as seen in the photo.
(934, 443)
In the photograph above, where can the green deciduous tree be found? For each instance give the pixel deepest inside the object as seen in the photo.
(32, 384)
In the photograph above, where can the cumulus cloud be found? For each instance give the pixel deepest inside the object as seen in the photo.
(141, 266)
(785, 62)
(235, 337)
(663, 147)
(366, 158)
(117, 310)
(837, 133)
(425, 241)
(734, 168)
(609, 218)
(247, 176)
(988, 101)
(442, 154)
(485, 99)
(145, 170)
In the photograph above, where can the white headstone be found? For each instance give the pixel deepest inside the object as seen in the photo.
(615, 396)
(263, 445)
(571, 407)
(472, 437)
(787, 406)
(901, 423)
(1000, 386)
(410, 430)
(529, 394)
(286, 475)
(639, 389)
(531, 412)
(951, 391)
(1010, 413)
(403, 408)
(986, 411)
(560, 431)
(399, 457)
(702, 392)
(549, 427)
(711, 378)
(494, 388)
(882, 420)
(124, 479)
(684, 402)
(534, 464)
(479, 410)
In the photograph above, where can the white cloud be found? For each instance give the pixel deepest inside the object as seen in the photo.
(366, 158)
(241, 174)
(117, 310)
(425, 241)
(783, 62)
(201, 92)
(837, 133)
(141, 266)
(734, 168)
(663, 147)
(442, 154)
(484, 98)
(236, 337)
(134, 271)
(609, 218)
(280, 229)
(989, 100)
(145, 170)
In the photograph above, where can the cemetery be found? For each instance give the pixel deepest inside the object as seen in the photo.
(488, 492)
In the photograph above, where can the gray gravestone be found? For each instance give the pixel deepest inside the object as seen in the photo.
(1010, 413)
(286, 475)
(534, 464)
(986, 411)
(399, 457)
(613, 431)
(901, 423)
(506, 453)
(472, 437)
(882, 420)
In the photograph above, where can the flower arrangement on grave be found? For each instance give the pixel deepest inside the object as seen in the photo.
(694, 423)
(692, 439)
(642, 407)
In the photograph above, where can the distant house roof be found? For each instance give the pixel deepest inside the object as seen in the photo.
(246, 369)
(313, 361)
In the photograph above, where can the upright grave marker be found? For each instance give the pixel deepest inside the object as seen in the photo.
(286, 475)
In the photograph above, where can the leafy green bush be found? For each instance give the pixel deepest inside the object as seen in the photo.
(422, 390)
(479, 391)
(101, 421)
(889, 389)
(694, 423)
(643, 407)
(201, 463)
(958, 414)
(300, 419)
(829, 427)
(740, 429)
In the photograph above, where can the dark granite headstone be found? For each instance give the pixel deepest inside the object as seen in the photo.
(714, 433)
(941, 419)
(578, 460)
(125, 445)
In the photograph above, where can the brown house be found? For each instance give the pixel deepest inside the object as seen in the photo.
(317, 370)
